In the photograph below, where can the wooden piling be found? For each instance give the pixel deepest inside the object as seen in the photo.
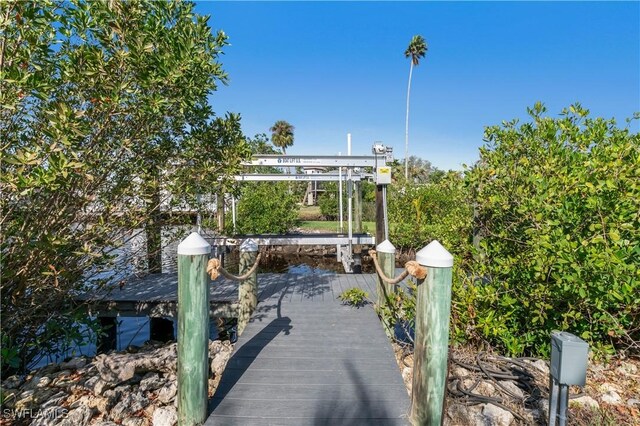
(357, 222)
(386, 253)
(193, 330)
(431, 343)
(248, 289)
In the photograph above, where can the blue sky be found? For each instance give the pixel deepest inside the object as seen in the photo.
(330, 68)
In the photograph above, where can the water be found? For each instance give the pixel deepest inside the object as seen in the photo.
(131, 260)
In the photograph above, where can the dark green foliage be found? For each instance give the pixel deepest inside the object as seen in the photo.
(419, 214)
(266, 208)
(328, 201)
(354, 297)
(102, 105)
(558, 209)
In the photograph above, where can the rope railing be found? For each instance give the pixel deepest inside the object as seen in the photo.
(412, 268)
(215, 269)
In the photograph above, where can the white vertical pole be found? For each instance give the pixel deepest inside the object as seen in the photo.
(350, 196)
(233, 212)
(341, 228)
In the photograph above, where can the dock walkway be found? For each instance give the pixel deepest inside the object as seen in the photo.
(307, 359)
(303, 359)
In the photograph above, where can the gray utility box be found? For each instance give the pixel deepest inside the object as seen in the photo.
(569, 356)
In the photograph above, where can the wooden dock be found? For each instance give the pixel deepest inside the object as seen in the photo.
(303, 359)
(307, 359)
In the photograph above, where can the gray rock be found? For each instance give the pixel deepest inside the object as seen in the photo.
(584, 401)
(626, 368)
(31, 383)
(105, 423)
(611, 397)
(485, 389)
(461, 372)
(168, 393)
(43, 382)
(100, 387)
(55, 400)
(219, 362)
(165, 416)
(117, 368)
(542, 366)
(78, 417)
(151, 382)
(498, 416)
(128, 405)
(512, 388)
(632, 402)
(135, 421)
(74, 363)
(102, 404)
(12, 382)
(468, 415)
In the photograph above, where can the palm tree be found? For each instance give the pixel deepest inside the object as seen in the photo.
(416, 50)
(282, 135)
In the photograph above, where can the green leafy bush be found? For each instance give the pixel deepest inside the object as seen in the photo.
(266, 208)
(354, 297)
(558, 210)
(421, 213)
(102, 105)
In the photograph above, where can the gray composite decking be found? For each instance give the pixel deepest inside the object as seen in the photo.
(307, 359)
(304, 358)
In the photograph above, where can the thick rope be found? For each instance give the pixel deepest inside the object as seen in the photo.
(412, 268)
(215, 269)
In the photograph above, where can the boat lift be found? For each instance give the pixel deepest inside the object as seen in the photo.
(354, 166)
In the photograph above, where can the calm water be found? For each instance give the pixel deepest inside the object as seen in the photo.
(132, 261)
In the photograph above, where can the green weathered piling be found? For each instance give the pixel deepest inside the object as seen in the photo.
(193, 330)
(431, 341)
(386, 253)
(248, 289)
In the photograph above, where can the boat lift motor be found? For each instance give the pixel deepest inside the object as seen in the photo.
(569, 355)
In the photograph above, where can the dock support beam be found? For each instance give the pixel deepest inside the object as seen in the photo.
(431, 336)
(357, 200)
(193, 330)
(386, 253)
(248, 289)
(108, 339)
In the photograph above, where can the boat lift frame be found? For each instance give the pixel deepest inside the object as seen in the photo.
(354, 166)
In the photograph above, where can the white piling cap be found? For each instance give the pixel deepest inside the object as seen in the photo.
(249, 245)
(194, 244)
(435, 255)
(386, 247)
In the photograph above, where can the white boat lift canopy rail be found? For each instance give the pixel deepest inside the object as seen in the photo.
(276, 160)
(317, 177)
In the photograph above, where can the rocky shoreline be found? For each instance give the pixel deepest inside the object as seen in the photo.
(491, 390)
(138, 387)
(132, 388)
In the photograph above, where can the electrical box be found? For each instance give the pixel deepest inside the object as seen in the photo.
(569, 355)
(383, 175)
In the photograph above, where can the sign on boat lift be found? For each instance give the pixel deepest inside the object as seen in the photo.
(354, 166)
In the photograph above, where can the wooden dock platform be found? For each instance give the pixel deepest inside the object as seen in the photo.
(303, 359)
(307, 359)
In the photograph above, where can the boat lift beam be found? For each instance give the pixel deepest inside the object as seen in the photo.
(275, 160)
(311, 177)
